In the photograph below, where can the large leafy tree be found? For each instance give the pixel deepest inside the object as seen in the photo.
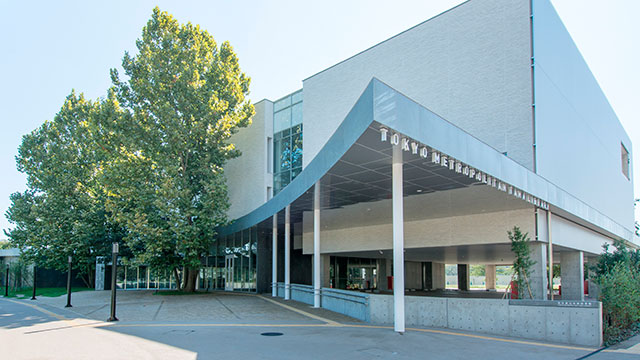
(185, 97)
(62, 212)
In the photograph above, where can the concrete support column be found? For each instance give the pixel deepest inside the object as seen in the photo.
(398, 238)
(274, 257)
(325, 270)
(463, 277)
(427, 275)
(316, 245)
(550, 256)
(572, 275)
(538, 273)
(438, 276)
(490, 277)
(382, 274)
(287, 252)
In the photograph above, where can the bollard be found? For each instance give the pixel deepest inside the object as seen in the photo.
(33, 296)
(114, 268)
(69, 284)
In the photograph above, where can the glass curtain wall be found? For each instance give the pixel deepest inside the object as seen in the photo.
(238, 274)
(287, 140)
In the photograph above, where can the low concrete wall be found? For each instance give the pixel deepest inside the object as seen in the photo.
(345, 302)
(572, 322)
(350, 303)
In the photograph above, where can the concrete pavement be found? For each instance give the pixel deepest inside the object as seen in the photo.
(222, 325)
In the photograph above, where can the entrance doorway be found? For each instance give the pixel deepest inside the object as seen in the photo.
(228, 280)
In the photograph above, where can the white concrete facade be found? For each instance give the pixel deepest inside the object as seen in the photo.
(488, 72)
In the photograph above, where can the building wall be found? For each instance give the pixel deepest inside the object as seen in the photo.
(367, 227)
(571, 235)
(247, 176)
(578, 135)
(470, 65)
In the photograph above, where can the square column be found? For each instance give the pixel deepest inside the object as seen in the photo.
(325, 268)
(274, 257)
(538, 273)
(287, 252)
(316, 245)
(398, 237)
(490, 277)
(438, 276)
(463, 277)
(572, 275)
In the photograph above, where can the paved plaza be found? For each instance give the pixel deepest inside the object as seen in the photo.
(224, 325)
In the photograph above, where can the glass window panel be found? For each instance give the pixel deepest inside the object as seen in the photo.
(296, 114)
(285, 178)
(295, 172)
(296, 97)
(296, 150)
(282, 120)
(283, 154)
(282, 103)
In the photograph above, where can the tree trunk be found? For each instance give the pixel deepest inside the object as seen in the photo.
(176, 275)
(191, 276)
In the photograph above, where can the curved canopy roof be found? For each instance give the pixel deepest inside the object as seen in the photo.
(354, 165)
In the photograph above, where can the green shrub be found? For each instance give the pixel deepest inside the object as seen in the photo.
(618, 275)
(620, 296)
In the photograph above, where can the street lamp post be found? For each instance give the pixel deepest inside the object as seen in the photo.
(114, 268)
(35, 270)
(69, 283)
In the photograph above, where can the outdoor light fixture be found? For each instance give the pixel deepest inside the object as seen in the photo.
(114, 269)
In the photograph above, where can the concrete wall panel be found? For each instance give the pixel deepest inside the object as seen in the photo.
(470, 65)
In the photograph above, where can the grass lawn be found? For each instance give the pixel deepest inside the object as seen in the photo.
(47, 292)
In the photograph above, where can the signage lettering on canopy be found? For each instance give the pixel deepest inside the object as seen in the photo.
(409, 145)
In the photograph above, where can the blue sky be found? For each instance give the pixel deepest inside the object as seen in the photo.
(50, 48)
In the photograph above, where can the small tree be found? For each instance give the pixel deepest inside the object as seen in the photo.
(522, 263)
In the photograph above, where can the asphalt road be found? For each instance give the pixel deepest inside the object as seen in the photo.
(32, 330)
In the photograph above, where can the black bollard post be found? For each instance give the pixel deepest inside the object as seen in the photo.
(114, 270)
(35, 270)
(69, 284)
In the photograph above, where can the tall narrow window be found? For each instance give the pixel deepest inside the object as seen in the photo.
(625, 160)
(287, 140)
(269, 155)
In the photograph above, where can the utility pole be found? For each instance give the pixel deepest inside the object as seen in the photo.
(114, 268)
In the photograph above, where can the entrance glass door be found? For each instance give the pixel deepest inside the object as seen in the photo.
(228, 280)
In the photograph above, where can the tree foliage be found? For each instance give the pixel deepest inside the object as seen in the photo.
(184, 98)
(617, 273)
(522, 262)
(62, 212)
(144, 165)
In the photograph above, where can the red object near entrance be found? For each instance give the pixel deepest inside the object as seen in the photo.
(514, 290)
(390, 282)
(586, 287)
